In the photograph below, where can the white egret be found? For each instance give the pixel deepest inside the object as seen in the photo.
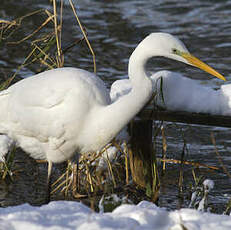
(59, 112)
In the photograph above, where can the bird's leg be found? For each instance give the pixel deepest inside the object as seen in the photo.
(49, 182)
(75, 168)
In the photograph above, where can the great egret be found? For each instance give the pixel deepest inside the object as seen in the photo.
(59, 112)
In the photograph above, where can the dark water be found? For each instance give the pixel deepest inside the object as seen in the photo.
(114, 29)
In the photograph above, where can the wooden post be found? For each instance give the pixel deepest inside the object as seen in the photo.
(142, 156)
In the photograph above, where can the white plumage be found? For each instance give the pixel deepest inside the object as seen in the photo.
(57, 113)
(43, 113)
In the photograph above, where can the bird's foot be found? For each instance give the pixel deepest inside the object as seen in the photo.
(77, 195)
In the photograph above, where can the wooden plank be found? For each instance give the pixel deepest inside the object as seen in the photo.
(185, 117)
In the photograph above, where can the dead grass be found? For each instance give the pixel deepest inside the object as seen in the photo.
(46, 43)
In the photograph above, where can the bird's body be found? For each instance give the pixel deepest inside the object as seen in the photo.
(43, 113)
(57, 113)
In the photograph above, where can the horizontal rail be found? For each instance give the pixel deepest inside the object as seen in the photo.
(186, 117)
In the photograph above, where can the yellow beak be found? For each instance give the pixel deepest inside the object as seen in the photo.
(201, 65)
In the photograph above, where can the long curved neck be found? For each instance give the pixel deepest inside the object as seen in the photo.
(136, 66)
(118, 114)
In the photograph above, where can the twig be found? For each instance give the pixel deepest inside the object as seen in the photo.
(195, 164)
(219, 156)
(84, 34)
(126, 162)
(110, 170)
(57, 36)
(164, 146)
(30, 35)
(72, 45)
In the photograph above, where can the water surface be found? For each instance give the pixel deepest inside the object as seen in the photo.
(114, 29)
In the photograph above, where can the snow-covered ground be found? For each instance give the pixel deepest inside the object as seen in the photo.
(66, 215)
(180, 93)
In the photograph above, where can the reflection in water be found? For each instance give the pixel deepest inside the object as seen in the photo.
(114, 29)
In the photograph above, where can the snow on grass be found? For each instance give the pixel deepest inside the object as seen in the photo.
(68, 215)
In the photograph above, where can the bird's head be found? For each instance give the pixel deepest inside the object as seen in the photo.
(167, 45)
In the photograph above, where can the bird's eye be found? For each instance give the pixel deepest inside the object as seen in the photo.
(174, 51)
